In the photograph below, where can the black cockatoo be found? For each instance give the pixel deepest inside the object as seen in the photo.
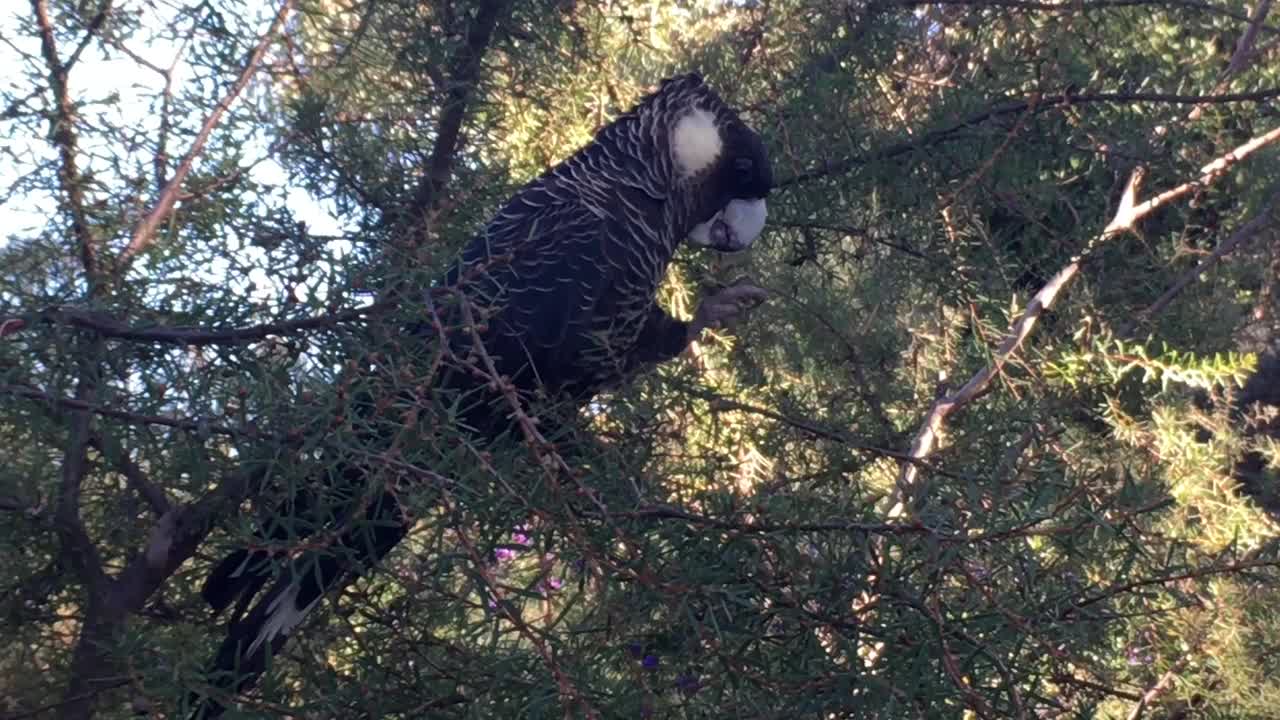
(565, 276)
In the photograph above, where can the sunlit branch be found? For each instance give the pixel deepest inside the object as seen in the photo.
(1126, 218)
(145, 232)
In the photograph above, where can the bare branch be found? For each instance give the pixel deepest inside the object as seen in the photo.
(1244, 48)
(178, 534)
(144, 234)
(928, 435)
(64, 138)
(1127, 216)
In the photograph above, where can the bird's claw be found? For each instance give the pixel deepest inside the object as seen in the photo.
(724, 305)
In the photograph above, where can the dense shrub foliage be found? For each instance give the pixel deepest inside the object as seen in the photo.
(1002, 443)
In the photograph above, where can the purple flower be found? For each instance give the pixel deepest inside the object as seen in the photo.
(504, 554)
(1137, 656)
(635, 649)
(688, 683)
(650, 662)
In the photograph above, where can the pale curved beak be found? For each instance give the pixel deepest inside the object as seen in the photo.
(732, 229)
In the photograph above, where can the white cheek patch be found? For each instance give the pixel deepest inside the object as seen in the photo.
(732, 229)
(746, 219)
(696, 143)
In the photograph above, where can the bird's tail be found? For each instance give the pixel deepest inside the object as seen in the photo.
(258, 633)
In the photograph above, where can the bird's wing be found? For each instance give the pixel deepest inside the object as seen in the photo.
(541, 269)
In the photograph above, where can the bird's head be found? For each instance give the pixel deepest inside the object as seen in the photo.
(721, 161)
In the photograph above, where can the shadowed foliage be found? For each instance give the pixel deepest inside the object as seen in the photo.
(993, 447)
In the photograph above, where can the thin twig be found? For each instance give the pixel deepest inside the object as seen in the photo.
(181, 335)
(79, 404)
(975, 702)
(1193, 574)
(1080, 6)
(857, 232)
(1267, 219)
(1035, 105)
(41, 710)
(1126, 218)
(145, 232)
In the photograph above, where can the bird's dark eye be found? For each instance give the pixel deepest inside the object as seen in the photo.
(744, 165)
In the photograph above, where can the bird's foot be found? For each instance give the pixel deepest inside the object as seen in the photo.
(724, 305)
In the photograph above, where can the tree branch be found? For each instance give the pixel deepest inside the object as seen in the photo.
(81, 405)
(1089, 5)
(77, 548)
(137, 479)
(1266, 219)
(1126, 218)
(183, 335)
(90, 32)
(1034, 106)
(145, 232)
(62, 126)
(1244, 48)
(175, 538)
(464, 72)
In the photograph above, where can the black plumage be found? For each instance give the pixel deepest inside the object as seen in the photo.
(565, 276)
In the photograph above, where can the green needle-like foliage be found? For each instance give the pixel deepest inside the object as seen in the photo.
(1090, 534)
